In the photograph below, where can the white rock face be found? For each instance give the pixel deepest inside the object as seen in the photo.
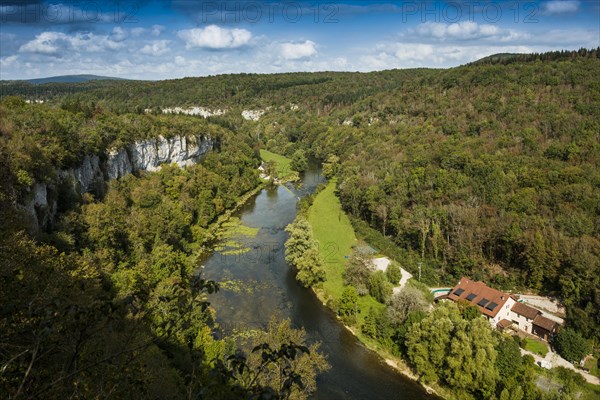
(150, 154)
(90, 176)
(40, 195)
(118, 164)
(88, 173)
(253, 115)
(204, 112)
(38, 206)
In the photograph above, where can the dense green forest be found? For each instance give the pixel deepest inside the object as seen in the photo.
(489, 170)
(110, 302)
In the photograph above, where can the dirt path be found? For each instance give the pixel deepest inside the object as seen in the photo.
(382, 263)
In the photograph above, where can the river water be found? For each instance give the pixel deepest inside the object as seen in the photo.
(270, 289)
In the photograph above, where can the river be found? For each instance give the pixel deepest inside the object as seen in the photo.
(356, 372)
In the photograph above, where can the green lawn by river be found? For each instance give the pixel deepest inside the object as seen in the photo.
(283, 163)
(333, 230)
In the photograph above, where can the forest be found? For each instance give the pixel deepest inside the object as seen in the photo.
(109, 301)
(488, 170)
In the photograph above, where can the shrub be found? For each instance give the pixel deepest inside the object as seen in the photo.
(571, 345)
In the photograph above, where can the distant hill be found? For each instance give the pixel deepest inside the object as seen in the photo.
(508, 58)
(494, 58)
(71, 79)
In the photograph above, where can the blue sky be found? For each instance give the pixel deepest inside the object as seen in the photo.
(145, 39)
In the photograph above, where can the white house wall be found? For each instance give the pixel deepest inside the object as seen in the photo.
(523, 322)
(503, 313)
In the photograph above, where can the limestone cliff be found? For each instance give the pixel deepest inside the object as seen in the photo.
(90, 176)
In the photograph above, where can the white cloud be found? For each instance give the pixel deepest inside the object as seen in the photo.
(409, 55)
(8, 61)
(137, 32)
(156, 48)
(561, 6)
(461, 30)
(89, 42)
(414, 51)
(57, 43)
(118, 34)
(377, 61)
(157, 30)
(44, 43)
(295, 51)
(215, 37)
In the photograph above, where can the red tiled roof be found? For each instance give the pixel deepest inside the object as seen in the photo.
(504, 323)
(479, 295)
(545, 323)
(525, 310)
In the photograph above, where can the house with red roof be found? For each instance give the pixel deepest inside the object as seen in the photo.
(492, 303)
(503, 310)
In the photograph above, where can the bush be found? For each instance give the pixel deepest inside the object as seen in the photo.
(407, 301)
(423, 288)
(379, 287)
(571, 345)
(358, 270)
(348, 305)
(393, 273)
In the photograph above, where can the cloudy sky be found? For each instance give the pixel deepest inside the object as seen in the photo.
(145, 39)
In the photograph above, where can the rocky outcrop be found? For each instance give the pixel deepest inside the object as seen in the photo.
(93, 172)
(252, 115)
(149, 155)
(39, 207)
(201, 111)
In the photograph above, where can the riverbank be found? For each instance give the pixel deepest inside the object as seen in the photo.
(221, 219)
(335, 234)
(396, 363)
(288, 175)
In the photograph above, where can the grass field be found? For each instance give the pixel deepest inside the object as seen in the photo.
(333, 231)
(592, 365)
(537, 347)
(283, 163)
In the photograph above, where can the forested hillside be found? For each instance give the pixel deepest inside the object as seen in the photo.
(490, 170)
